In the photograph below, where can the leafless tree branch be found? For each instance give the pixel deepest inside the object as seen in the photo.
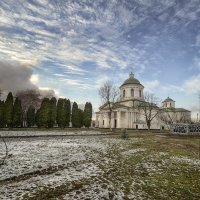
(149, 108)
(2, 162)
(108, 94)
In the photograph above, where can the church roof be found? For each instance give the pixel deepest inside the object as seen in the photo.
(131, 80)
(175, 110)
(168, 99)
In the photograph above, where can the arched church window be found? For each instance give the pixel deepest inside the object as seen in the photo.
(124, 93)
(132, 92)
(140, 93)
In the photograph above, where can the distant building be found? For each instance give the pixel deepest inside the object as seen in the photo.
(172, 115)
(126, 115)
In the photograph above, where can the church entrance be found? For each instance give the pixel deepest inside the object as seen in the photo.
(115, 123)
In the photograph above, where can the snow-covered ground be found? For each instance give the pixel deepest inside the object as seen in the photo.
(87, 168)
(47, 162)
(44, 133)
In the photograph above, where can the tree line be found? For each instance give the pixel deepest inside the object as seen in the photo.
(51, 113)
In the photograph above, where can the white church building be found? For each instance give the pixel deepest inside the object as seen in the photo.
(126, 115)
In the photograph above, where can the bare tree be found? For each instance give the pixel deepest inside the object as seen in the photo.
(28, 98)
(108, 94)
(6, 149)
(183, 117)
(171, 116)
(5, 155)
(149, 108)
(168, 116)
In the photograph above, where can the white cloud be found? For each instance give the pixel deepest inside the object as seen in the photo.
(75, 68)
(66, 34)
(101, 80)
(70, 44)
(151, 86)
(57, 92)
(75, 83)
(46, 91)
(59, 75)
(34, 78)
(172, 88)
(192, 85)
(16, 76)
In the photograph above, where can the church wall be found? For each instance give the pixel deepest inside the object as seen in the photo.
(102, 120)
(124, 120)
(184, 117)
(128, 103)
(127, 119)
(128, 95)
(169, 104)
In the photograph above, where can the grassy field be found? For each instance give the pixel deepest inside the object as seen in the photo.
(156, 168)
(140, 167)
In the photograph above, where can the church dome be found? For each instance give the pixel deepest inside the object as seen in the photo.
(131, 80)
(168, 100)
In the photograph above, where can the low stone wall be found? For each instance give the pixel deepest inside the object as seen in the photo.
(193, 129)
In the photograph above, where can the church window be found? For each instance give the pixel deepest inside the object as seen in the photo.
(140, 93)
(103, 122)
(170, 104)
(124, 93)
(132, 92)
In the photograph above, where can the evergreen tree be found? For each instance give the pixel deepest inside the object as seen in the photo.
(59, 111)
(79, 118)
(74, 114)
(68, 112)
(64, 113)
(31, 116)
(87, 115)
(8, 110)
(52, 112)
(1, 113)
(17, 113)
(44, 113)
(90, 108)
(37, 118)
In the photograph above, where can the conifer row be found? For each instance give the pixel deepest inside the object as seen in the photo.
(50, 114)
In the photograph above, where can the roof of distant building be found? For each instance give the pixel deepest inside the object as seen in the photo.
(175, 110)
(131, 80)
(168, 99)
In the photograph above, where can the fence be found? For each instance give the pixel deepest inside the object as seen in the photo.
(193, 129)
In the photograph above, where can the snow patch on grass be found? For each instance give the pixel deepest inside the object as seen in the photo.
(44, 133)
(133, 151)
(186, 160)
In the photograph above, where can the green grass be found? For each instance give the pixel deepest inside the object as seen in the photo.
(154, 175)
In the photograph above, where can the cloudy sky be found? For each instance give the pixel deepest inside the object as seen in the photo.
(74, 46)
